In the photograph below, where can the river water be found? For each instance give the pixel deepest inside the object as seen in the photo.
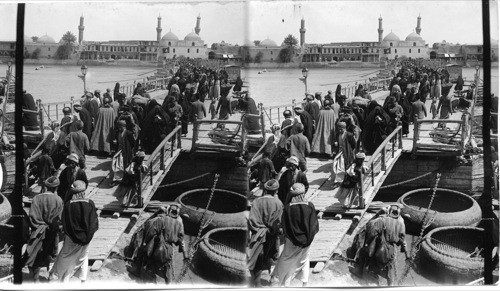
(273, 87)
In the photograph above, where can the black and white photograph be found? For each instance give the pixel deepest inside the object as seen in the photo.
(257, 144)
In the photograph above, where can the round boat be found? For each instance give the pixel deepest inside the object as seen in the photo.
(5, 209)
(453, 254)
(449, 208)
(226, 209)
(221, 256)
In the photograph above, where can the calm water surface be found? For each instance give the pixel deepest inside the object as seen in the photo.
(274, 87)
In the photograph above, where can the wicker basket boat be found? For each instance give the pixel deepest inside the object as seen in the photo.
(221, 256)
(226, 209)
(449, 208)
(452, 254)
(5, 209)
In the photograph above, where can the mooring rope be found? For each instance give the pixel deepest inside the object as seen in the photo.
(184, 181)
(195, 242)
(416, 244)
(407, 181)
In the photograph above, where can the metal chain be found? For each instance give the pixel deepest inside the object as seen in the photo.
(194, 243)
(416, 244)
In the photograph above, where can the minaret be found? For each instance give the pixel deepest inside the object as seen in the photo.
(302, 31)
(197, 28)
(380, 29)
(158, 30)
(80, 30)
(418, 29)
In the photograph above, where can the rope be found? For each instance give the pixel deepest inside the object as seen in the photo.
(46, 113)
(183, 181)
(406, 181)
(416, 243)
(192, 249)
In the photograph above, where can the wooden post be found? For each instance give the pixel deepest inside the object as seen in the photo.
(72, 103)
(172, 143)
(40, 114)
(262, 123)
(383, 167)
(244, 138)
(279, 115)
(393, 145)
(151, 172)
(179, 141)
(373, 174)
(139, 190)
(57, 112)
(415, 136)
(195, 132)
(400, 138)
(162, 158)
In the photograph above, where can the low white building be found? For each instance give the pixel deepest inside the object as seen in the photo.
(412, 47)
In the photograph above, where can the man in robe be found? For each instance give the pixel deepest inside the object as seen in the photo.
(264, 223)
(70, 174)
(163, 232)
(299, 146)
(80, 222)
(68, 122)
(126, 144)
(391, 226)
(45, 214)
(345, 144)
(92, 105)
(288, 125)
(85, 118)
(78, 143)
(104, 129)
(325, 130)
(375, 127)
(198, 109)
(291, 176)
(312, 108)
(308, 122)
(300, 225)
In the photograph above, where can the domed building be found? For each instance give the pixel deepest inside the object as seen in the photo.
(413, 46)
(45, 46)
(266, 51)
(192, 46)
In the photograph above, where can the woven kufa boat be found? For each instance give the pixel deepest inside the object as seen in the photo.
(453, 254)
(449, 208)
(221, 256)
(226, 209)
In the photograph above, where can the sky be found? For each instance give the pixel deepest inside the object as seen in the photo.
(240, 21)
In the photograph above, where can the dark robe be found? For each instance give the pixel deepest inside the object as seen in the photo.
(460, 84)
(264, 223)
(87, 122)
(155, 127)
(347, 145)
(286, 181)
(288, 127)
(313, 109)
(80, 220)
(375, 129)
(30, 119)
(78, 143)
(300, 223)
(104, 132)
(66, 178)
(92, 107)
(308, 123)
(224, 108)
(406, 118)
(248, 105)
(45, 167)
(45, 214)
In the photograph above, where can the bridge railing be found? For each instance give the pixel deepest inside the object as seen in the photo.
(379, 160)
(148, 85)
(156, 161)
(206, 138)
(441, 137)
(274, 114)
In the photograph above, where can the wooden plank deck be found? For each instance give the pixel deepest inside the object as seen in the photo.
(328, 238)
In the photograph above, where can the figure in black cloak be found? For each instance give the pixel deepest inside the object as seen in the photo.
(155, 127)
(30, 120)
(238, 85)
(375, 128)
(460, 84)
(307, 121)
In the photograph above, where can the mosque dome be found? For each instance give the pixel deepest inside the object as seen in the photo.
(170, 36)
(267, 42)
(45, 39)
(413, 37)
(27, 39)
(192, 37)
(391, 37)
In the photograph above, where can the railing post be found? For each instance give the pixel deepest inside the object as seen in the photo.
(172, 143)
(361, 183)
(400, 139)
(151, 172)
(72, 103)
(373, 174)
(262, 122)
(244, 138)
(179, 140)
(40, 114)
(195, 132)
(57, 112)
(279, 116)
(415, 136)
(383, 166)
(162, 158)
(393, 146)
(139, 190)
